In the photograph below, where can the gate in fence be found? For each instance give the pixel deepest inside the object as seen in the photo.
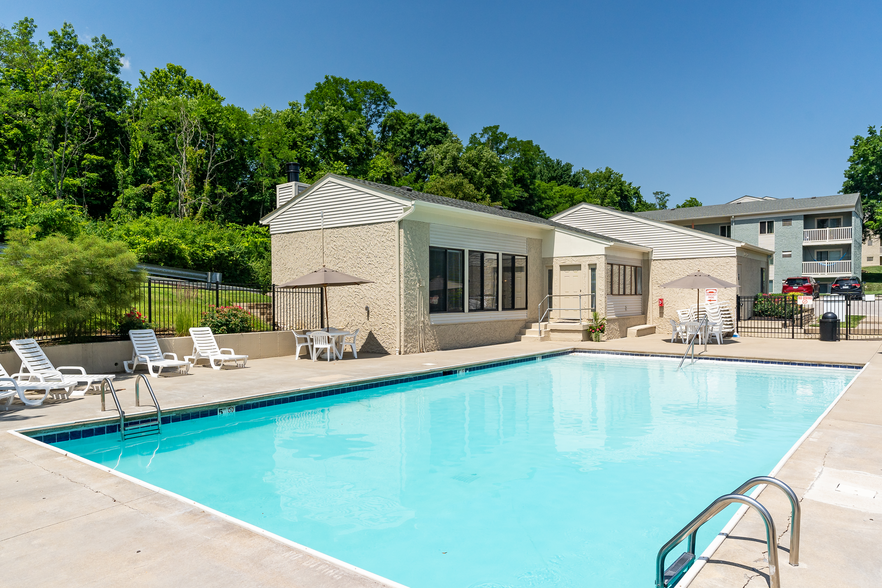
(791, 317)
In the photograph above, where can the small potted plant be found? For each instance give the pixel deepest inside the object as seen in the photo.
(597, 327)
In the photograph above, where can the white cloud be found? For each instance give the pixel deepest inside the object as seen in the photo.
(126, 64)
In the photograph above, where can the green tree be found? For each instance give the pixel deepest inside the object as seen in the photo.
(661, 200)
(864, 175)
(72, 282)
(60, 112)
(473, 173)
(690, 202)
(404, 139)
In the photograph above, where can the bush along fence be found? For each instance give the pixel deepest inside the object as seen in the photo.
(171, 307)
(788, 316)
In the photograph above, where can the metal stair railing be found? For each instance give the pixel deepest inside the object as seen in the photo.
(152, 427)
(549, 298)
(667, 578)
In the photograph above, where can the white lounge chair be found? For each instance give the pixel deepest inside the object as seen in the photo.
(147, 351)
(322, 341)
(36, 367)
(205, 347)
(302, 340)
(351, 341)
(685, 315)
(13, 385)
(715, 324)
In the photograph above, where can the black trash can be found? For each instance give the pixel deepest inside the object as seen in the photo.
(829, 327)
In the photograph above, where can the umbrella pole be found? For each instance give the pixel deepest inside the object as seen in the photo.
(327, 315)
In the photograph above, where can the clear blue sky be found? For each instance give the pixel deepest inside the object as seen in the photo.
(706, 99)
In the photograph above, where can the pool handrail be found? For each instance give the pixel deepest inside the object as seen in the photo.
(139, 429)
(795, 509)
(691, 530)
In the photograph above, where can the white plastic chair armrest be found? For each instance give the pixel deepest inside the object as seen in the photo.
(174, 356)
(222, 349)
(75, 368)
(29, 377)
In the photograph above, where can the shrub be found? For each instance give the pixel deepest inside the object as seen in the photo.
(131, 321)
(776, 305)
(226, 319)
(183, 322)
(64, 286)
(597, 327)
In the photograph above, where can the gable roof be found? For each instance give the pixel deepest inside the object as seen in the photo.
(410, 197)
(740, 207)
(667, 240)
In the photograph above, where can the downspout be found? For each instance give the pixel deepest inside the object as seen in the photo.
(398, 275)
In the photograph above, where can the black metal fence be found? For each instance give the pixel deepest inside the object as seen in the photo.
(791, 317)
(171, 307)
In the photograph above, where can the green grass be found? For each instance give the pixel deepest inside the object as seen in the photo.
(180, 308)
(853, 321)
(871, 278)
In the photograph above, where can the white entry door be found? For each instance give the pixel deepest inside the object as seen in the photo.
(570, 288)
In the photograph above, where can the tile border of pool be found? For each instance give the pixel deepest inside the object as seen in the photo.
(332, 389)
(82, 430)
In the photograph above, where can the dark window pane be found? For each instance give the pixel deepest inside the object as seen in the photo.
(454, 281)
(437, 280)
(507, 281)
(475, 281)
(639, 278)
(491, 280)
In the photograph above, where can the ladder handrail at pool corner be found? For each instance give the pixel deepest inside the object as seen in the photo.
(549, 307)
(668, 577)
(701, 324)
(106, 382)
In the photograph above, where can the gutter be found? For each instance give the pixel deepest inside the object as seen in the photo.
(406, 212)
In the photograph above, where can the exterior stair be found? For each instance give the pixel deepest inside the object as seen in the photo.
(563, 331)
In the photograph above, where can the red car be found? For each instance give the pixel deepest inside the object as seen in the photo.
(804, 286)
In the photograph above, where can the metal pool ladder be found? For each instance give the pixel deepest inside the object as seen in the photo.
(143, 427)
(691, 349)
(667, 578)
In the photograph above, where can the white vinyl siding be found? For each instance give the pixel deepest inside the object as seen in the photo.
(342, 207)
(666, 243)
(474, 240)
(452, 318)
(619, 306)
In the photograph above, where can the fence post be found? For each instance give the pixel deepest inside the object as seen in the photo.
(274, 307)
(847, 318)
(149, 302)
(216, 294)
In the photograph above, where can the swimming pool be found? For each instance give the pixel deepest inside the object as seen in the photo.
(569, 471)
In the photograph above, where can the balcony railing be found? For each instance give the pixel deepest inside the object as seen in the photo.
(826, 235)
(826, 268)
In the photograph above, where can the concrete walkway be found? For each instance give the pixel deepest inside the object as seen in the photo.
(65, 521)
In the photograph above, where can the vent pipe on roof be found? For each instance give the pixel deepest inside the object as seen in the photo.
(407, 188)
(293, 169)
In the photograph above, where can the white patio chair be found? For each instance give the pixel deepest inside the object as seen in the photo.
(322, 341)
(36, 367)
(12, 386)
(147, 351)
(728, 319)
(678, 331)
(205, 347)
(684, 315)
(351, 341)
(302, 340)
(715, 324)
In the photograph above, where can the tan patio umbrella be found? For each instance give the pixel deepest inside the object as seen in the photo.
(325, 278)
(698, 280)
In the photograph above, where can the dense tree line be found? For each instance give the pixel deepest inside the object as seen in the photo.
(83, 150)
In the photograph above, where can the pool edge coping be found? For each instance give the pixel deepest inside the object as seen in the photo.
(685, 581)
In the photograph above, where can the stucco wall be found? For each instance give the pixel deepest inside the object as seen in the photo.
(108, 357)
(365, 251)
(616, 328)
(475, 334)
(666, 270)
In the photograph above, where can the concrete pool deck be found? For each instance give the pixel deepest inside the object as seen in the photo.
(70, 522)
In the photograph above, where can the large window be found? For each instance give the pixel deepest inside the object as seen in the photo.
(624, 280)
(483, 281)
(767, 227)
(445, 280)
(514, 282)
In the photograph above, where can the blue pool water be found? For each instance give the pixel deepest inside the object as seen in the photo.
(571, 471)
